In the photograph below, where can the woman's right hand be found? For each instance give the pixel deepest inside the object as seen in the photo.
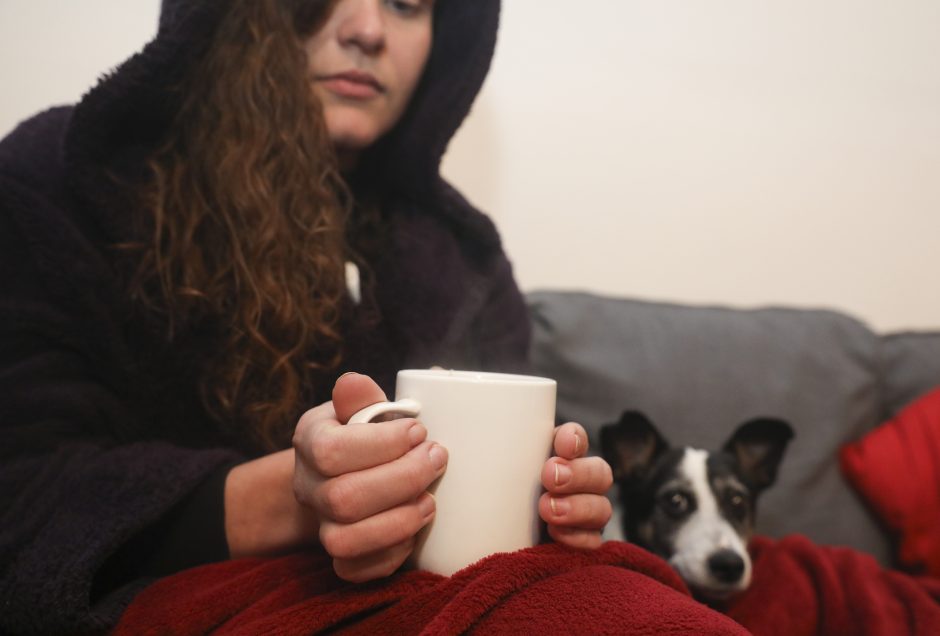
(367, 483)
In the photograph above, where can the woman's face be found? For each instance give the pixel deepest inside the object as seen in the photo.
(365, 62)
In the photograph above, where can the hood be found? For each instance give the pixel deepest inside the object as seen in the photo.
(131, 107)
(464, 41)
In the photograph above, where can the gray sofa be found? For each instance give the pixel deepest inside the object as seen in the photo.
(698, 372)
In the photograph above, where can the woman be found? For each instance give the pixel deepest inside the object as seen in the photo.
(179, 258)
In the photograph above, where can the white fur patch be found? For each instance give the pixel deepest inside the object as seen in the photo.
(705, 532)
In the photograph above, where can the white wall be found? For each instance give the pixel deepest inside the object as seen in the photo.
(52, 51)
(730, 151)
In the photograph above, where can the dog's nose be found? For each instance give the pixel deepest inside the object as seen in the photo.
(726, 565)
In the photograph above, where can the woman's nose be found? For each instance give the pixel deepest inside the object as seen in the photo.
(362, 24)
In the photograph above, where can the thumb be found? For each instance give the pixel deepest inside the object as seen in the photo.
(354, 392)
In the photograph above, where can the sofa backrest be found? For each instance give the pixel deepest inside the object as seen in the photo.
(911, 367)
(698, 372)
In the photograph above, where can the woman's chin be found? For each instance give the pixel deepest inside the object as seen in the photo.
(352, 137)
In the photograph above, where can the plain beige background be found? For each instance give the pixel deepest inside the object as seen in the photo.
(723, 152)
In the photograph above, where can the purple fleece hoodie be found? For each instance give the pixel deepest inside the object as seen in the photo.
(110, 471)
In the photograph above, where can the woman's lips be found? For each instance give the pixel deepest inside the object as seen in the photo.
(352, 85)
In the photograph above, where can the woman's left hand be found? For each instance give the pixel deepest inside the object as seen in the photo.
(575, 506)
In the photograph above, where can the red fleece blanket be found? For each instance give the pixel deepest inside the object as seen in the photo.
(798, 588)
(544, 590)
(802, 588)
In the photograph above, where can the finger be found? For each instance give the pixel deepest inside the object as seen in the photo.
(571, 441)
(354, 392)
(333, 450)
(310, 423)
(378, 532)
(576, 537)
(355, 496)
(373, 566)
(318, 417)
(590, 475)
(588, 512)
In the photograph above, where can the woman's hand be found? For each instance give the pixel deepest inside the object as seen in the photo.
(367, 484)
(575, 506)
(262, 516)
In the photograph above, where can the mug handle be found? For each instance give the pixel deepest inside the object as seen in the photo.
(407, 407)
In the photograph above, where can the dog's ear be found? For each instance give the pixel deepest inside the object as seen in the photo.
(631, 445)
(758, 445)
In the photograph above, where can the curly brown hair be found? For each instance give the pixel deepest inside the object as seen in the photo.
(248, 220)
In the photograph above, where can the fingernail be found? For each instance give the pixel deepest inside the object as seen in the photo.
(562, 474)
(345, 374)
(577, 443)
(417, 434)
(559, 506)
(438, 456)
(427, 505)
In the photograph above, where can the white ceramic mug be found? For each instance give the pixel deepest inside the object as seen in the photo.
(497, 429)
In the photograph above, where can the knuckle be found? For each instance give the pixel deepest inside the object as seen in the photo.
(335, 541)
(326, 452)
(395, 556)
(310, 422)
(595, 512)
(339, 501)
(301, 493)
(347, 572)
(389, 566)
(305, 423)
(409, 527)
(598, 475)
(417, 475)
(300, 434)
(607, 475)
(605, 509)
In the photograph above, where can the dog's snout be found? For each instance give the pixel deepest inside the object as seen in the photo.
(726, 566)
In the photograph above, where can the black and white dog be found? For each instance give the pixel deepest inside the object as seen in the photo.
(692, 507)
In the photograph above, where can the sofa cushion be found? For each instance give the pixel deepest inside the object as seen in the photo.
(911, 367)
(698, 372)
(896, 468)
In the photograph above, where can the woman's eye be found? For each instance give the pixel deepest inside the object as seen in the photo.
(406, 7)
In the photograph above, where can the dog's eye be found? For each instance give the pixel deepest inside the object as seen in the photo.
(737, 504)
(676, 503)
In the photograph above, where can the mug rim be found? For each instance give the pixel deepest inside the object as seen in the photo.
(476, 377)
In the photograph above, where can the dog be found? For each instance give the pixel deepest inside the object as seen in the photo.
(694, 508)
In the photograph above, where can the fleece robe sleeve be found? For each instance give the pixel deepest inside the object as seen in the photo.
(73, 491)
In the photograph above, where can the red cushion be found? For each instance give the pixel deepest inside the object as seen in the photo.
(896, 468)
